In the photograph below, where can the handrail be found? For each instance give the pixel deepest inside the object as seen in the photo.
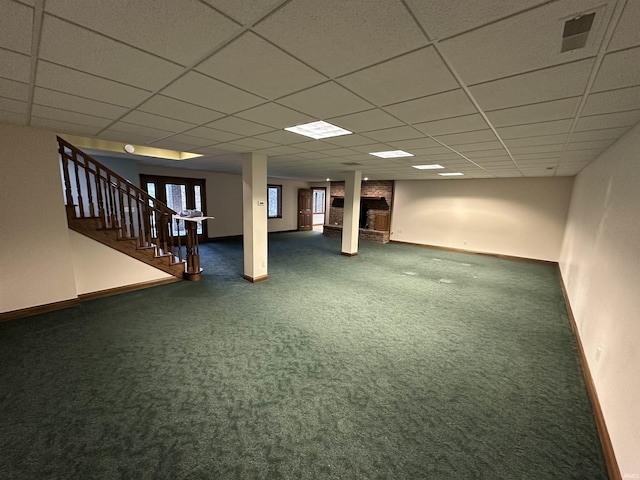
(92, 190)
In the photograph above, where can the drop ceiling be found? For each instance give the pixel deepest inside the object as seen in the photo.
(480, 88)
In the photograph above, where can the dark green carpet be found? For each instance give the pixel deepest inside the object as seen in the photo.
(400, 363)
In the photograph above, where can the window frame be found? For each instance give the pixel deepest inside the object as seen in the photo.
(278, 199)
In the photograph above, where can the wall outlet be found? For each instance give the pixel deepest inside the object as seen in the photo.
(598, 352)
(399, 230)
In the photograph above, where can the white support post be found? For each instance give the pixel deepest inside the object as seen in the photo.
(351, 219)
(254, 216)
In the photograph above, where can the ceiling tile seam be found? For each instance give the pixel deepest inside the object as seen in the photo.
(36, 35)
(390, 59)
(497, 20)
(220, 12)
(611, 27)
(191, 68)
(58, 109)
(535, 103)
(79, 96)
(623, 49)
(464, 87)
(422, 97)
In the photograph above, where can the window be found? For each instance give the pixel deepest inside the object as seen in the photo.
(274, 198)
(318, 201)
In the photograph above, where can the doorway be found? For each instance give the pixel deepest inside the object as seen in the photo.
(319, 202)
(178, 194)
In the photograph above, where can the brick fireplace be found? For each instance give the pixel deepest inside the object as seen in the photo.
(376, 198)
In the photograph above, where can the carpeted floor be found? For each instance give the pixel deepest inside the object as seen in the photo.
(400, 363)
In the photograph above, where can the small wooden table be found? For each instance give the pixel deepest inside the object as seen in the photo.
(192, 270)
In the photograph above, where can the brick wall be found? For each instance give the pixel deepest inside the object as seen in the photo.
(369, 188)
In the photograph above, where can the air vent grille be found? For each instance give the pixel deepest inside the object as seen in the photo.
(576, 32)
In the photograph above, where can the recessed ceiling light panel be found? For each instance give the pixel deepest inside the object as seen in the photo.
(318, 130)
(452, 174)
(392, 154)
(435, 166)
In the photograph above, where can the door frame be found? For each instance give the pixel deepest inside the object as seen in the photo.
(161, 193)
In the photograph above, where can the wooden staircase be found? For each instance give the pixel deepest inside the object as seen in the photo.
(106, 207)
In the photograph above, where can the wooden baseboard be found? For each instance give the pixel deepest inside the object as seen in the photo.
(49, 307)
(349, 254)
(462, 250)
(255, 279)
(126, 288)
(74, 302)
(603, 432)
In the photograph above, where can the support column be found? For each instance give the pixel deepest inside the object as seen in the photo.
(351, 219)
(254, 216)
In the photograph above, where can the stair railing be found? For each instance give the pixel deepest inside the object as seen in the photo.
(92, 190)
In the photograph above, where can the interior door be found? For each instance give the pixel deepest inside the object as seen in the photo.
(305, 209)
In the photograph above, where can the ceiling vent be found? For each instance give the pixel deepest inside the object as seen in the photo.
(576, 32)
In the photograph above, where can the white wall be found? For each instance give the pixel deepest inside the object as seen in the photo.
(600, 265)
(523, 217)
(37, 266)
(98, 267)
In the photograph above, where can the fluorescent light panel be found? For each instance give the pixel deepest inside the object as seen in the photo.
(452, 174)
(392, 154)
(318, 130)
(435, 166)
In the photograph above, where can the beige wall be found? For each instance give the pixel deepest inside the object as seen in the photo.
(523, 217)
(600, 265)
(98, 267)
(37, 266)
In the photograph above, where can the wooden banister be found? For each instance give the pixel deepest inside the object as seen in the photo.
(94, 191)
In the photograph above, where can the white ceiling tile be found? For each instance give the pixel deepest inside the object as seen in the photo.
(343, 152)
(395, 133)
(14, 106)
(127, 136)
(209, 93)
(245, 11)
(434, 107)
(16, 26)
(535, 129)
(75, 47)
(465, 123)
(65, 101)
(537, 149)
(553, 83)
(328, 99)
(172, 144)
(522, 43)
(367, 121)
(402, 78)
(240, 126)
(606, 120)
(282, 137)
(60, 126)
(542, 140)
(315, 145)
(14, 90)
(82, 84)
(612, 101)
(142, 131)
(360, 35)
(180, 31)
(212, 134)
(470, 148)
(156, 121)
(441, 152)
(627, 33)
(253, 143)
(594, 145)
(537, 112)
(11, 117)
(232, 147)
(191, 141)
(349, 140)
(413, 144)
(616, 70)
(255, 65)
(485, 153)
(467, 137)
(443, 19)
(14, 66)
(172, 108)
(71, 117)
(275, 116)
(604, 134)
